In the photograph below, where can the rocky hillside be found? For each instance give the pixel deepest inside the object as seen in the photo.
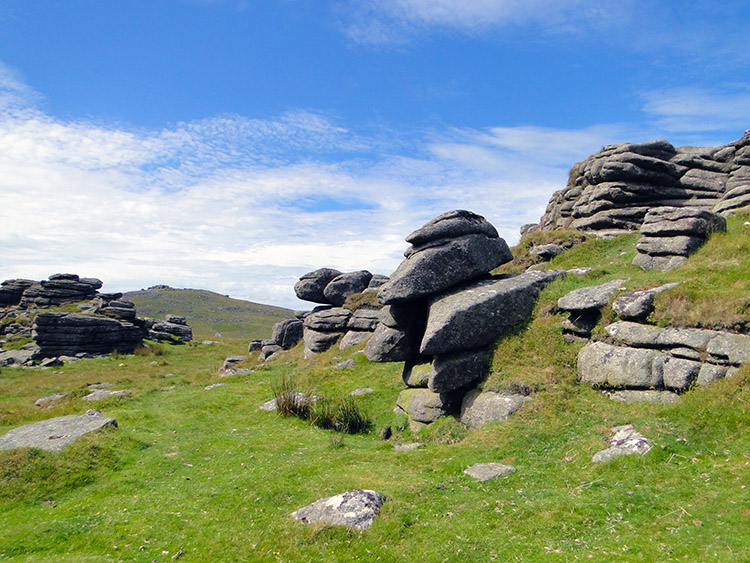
(616, 187)
(210, 314)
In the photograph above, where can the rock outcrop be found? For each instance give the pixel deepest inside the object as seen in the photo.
(443, 311)
(615, 188)
(68, 334)
(671, 234)
(106, 322)
(645, 357)
(56, 433)
(327, 324)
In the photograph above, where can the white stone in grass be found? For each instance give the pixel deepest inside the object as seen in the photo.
(624, 441)
(354, 509)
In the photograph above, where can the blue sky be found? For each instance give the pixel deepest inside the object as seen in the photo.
(235, 145)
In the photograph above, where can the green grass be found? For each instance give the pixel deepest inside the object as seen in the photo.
(210, 314)
(207, 474)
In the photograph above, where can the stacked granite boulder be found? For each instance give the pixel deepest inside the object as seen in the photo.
(648, 363)
(585, 307)
(671, 234)
(69, 334)
(326, 324)
(58, 290)
(442, 312)
(106, 322)
(284, 336)
(615, 188)
(173, 328)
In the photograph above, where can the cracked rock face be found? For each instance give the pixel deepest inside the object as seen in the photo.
(356, 509)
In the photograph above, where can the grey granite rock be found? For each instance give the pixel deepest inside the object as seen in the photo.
(594, 297)
(344, 285)
(480, 408)
(438, 267)
(353, 509)
(617, 366)
(56, 433)
(488, 471)
(477, 314)
(645, 396)
(311, 286)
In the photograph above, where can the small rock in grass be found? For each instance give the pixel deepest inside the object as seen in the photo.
(44, 401)
(354, 509)
(624, 441)
(407, 447)
(362, 391)
(488, 471)
(213, 386)
(100, 394)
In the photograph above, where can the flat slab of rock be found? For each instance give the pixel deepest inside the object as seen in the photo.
(354, 509)
(101, 394)
(56, 433)
(647, 396)
(477, 314)
(362, 391)
(488, 471)
(407, 447)
(594, 297)
(624, 441)
(44, 401)
(637, 305)
(480, 408)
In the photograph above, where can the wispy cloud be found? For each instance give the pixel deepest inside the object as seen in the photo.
(700, 110)
(245, 206)
(392, 21)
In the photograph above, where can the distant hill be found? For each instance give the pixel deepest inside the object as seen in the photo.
(209, 314)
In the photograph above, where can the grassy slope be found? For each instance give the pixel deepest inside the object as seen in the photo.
(209, 313)
(208, 474)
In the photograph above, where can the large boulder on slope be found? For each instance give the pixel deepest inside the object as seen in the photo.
(477, 314)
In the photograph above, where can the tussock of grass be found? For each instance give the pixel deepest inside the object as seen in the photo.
(364, 300)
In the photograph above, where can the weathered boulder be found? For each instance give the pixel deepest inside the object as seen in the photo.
(11, 291)
(67, 334)
(353, 509)
(637, 305)
(416, 373)
(616, 366)
(480, 408)
(477, 314)
(287, 333)
(643, 396)
(344, 285)
(646, 336)
(16, 357)
(310, 286)
(328, 320)
(587, 298)
(364, 320)
(354, 338)
(56, 433)
(453, 371)
(391, 345)
(615, 188)
(452, 224)
(58, 290)
(317, 341)
(101, 394)
(546, 252)
(423, 405)
(455, 247)
(671, 234)
(166, 331)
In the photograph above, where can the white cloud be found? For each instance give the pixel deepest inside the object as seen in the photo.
(245, 206)
(392, 21)
(700, 110)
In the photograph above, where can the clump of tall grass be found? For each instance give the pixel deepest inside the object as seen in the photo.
(342, 415)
